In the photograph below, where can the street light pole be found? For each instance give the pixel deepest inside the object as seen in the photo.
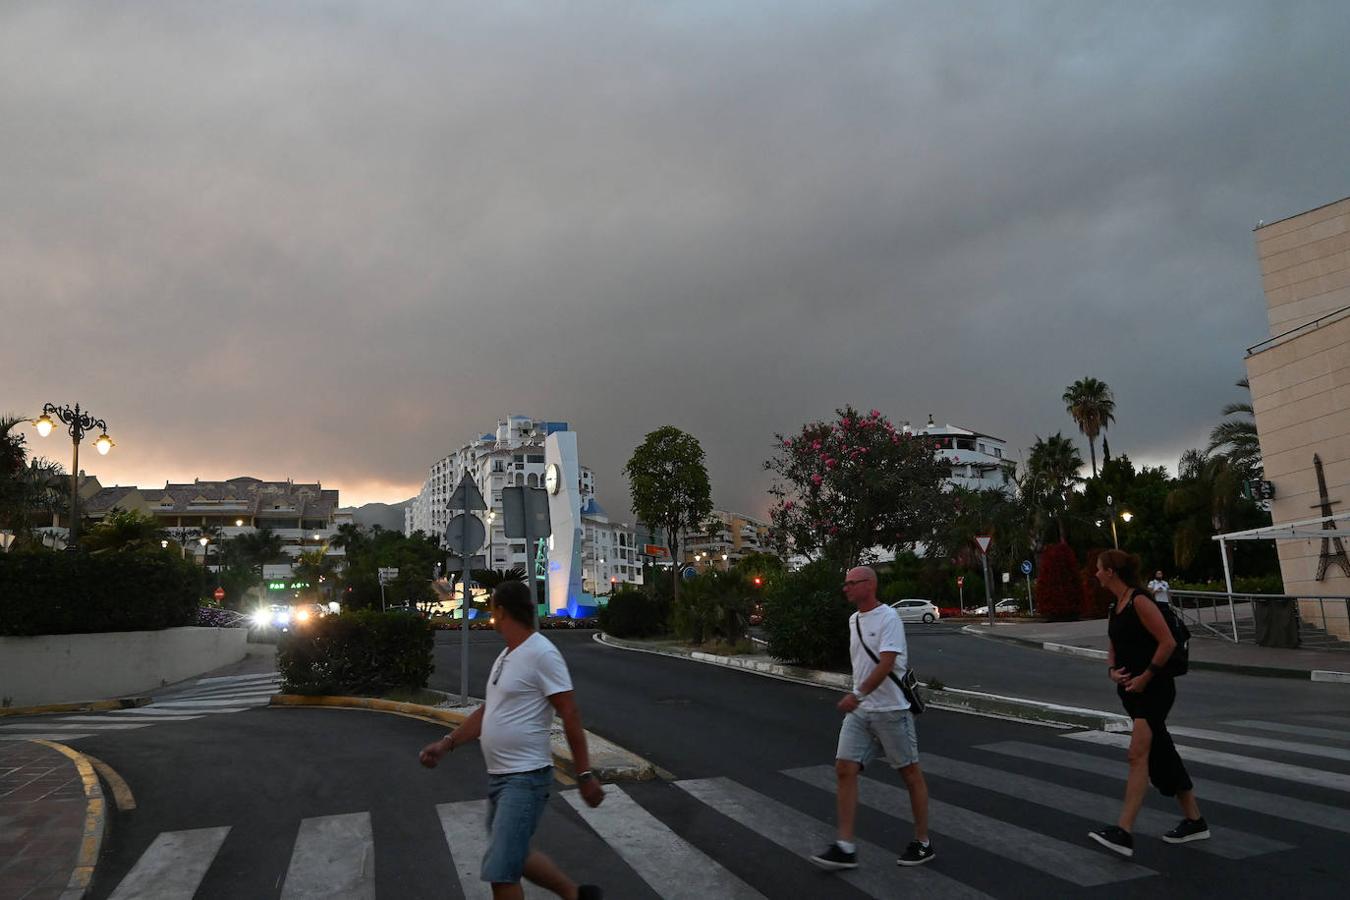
(78, 422)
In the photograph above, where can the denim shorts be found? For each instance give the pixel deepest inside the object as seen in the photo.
(866, 735)
(515, 803)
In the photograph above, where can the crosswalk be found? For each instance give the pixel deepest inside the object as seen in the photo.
(1008, 818)
(205, 696)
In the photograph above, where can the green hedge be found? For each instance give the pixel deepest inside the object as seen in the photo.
(714, 606)
(51, 592)
(806, 617)
(635, 614)
(361, 653)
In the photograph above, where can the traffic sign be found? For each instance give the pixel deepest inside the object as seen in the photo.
(219, 594)
(521, 503)
(984, 540)
(960, 581)
(467, 496)
(456, 563)
(1026, 567)
(387, 575)
(463, 537)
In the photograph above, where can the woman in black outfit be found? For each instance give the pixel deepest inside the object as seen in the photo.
(1139, 647)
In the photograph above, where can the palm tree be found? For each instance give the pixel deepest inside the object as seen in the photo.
(1052, 469)
(1236, 439)
(27, 487)
(1093, 407)
(1204, 501)
(316, 568)
(122, 529)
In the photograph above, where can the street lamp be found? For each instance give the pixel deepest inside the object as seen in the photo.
(1126, 516)
(491, 517)
(78, 422)
(203, 540)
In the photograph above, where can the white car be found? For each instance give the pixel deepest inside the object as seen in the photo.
(916, 611)
(1006, 605)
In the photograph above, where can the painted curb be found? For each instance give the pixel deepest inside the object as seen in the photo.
(82, 706)
(950, 699)
(609, 761)
(1329, 676)
(1091, 653)
(95, 823)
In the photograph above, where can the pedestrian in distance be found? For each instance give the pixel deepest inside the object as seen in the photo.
(1160, 588)
(1139, 647)
(528, 683)
(877, 722)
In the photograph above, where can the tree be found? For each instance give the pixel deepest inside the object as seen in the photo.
(123, 529)
(1093, 408)
(1205, 501)
(669, 487)
(847, 486)
(1236, 439)
(1052, 469)
(29, 488)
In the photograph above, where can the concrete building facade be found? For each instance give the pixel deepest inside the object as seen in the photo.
(1300, 386)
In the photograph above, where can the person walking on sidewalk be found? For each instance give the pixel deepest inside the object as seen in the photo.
(1160, 588)
(1139, 647)
(877, 721)
(529, 682)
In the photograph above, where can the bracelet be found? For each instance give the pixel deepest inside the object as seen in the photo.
(860, 695)
(450, 741)
(583, 776)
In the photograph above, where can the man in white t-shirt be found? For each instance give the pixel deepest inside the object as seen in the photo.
(1159, 587)
(527, 684)
(877, 722)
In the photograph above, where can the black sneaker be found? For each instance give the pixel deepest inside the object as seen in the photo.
(916, 854)
(1115, 839)
(834, 858)
(589, 892)
(1188, 830)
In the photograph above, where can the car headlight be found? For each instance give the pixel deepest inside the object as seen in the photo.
(302, 616)
(283, 617)
(261, 618)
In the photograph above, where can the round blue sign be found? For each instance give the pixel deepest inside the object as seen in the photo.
(1026, 567)
(689, 572)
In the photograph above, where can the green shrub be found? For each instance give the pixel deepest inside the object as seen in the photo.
(1260, 584)
(72, 592)
(360, 653)
(714, 606)
(806, 617)
(632, 613)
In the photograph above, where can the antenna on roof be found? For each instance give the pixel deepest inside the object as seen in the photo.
(930, 420)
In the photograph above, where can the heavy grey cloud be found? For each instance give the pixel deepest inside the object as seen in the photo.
(334, 240)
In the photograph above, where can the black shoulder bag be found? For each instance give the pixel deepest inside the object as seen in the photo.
(908, 684)
(1179, 663)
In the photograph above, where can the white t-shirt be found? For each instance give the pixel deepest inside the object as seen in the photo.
(1159, 589)
(884, 633)
(518, 716)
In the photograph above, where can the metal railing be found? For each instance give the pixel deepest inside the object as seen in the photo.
(1232, 617)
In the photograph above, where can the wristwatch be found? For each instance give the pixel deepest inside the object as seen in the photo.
(588, 775)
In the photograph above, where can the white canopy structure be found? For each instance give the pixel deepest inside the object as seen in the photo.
(1304, 530)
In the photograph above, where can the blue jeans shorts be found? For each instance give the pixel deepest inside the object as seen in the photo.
(515, 803)
(866, 735)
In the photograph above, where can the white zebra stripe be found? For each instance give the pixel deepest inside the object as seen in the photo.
(229, 679)
(464, 825)
(1281, 728)
(1247, 740)
(1249, 764)
(1080, 865)
(173, 866)
(671, 866)
(334, 856)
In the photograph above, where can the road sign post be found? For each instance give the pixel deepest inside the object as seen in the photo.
(525, 515)
(983, 541)
(464, 535)
(961, 593)
(1031, 603)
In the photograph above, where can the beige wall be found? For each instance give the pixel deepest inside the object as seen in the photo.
(1301, 388)
(1305, 265)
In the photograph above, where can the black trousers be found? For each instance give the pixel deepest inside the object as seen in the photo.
(1152, 704)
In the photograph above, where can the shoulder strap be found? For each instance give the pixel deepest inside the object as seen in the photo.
(857, 624)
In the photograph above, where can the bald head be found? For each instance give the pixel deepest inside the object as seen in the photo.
(865, 573)
(860, 587)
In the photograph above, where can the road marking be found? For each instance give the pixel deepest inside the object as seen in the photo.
(105, 722)
(1249, 764)
(334, 856)
(227, 679)
(1290, 808)
(219, 705)
(59, 725)
(464, 825)
(263, 691)
(674, 868)
(1280, 727)
(801, 835)
(1247, 740)
(155, 713)
(1341, 721)
(1080, 865)
(121, 791)
(173, 865)
(1228, 843)
(44, 735)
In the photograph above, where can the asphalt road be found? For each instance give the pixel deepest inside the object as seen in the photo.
(751, 761)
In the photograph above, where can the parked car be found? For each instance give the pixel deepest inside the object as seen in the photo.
(914, 610)
(1006, 606)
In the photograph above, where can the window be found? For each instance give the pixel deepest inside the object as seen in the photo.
(536, 458)
(533, 480)
(965, 444)
(498, 465)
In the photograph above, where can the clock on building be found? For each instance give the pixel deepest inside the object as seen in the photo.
(553, 478)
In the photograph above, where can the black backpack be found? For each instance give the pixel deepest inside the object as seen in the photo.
(1179, 663)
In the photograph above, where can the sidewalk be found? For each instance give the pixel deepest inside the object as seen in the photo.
(1089, 639)
(48, 819)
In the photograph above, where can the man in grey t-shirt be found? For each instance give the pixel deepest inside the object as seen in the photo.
(528, 683)
(1159, 587)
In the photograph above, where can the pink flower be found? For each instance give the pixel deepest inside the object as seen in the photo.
(787, 442)
(816, 480)
(830, 463)
(815, 445)
(789, 505)
(876, 414)
(834, 529)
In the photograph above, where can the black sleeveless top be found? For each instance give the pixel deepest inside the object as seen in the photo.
(1134, 644)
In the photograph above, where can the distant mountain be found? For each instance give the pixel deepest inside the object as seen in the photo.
(388, 516)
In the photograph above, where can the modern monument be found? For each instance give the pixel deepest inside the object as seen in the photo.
(562, 480)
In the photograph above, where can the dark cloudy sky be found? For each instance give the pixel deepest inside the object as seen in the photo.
(333, 240)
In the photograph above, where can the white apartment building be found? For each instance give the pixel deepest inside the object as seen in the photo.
(609, 553)
(978, 461)
(727, 538)
(514, 455)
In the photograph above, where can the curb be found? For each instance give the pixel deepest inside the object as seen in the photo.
(83, 706)
(609, 761)
(951, 699)
(95, 823)
(1236, 668)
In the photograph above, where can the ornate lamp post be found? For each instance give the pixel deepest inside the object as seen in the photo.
(78, 422)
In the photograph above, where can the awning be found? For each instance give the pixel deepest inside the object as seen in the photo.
(1305, 530)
